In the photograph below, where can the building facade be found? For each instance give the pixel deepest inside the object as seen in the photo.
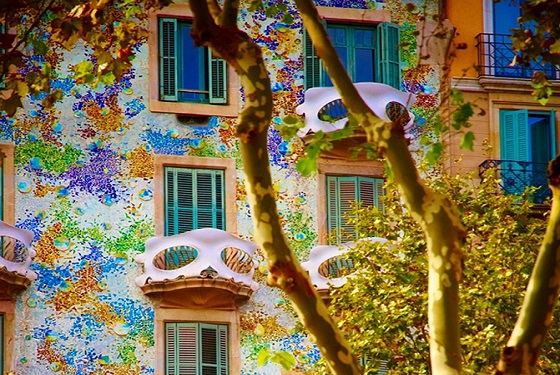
(521, 133)
(109, 181)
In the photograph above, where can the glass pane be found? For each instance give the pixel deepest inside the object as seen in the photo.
(193, 64)
(365, 68)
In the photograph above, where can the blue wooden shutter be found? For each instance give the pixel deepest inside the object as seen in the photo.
(389, 61)
(552, 134)
(168, 59)
(313, 67)
(181, 354)
(514, 135)
(217, 74)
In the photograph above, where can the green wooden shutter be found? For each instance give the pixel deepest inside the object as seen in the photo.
(213, 347)
(333, 216)
(370, 189)
(217, 70)
(179, 202)
(168, 59)
(181, 354)
(342, 193)
(223, 354)
(194, 198)
(389, 61)
(196, 349)
(514, 135)
(209, 199)
(313, 67)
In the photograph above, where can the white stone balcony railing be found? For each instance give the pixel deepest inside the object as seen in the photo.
(16, 255)
(328, 267)
(202, 268)
(325, 102)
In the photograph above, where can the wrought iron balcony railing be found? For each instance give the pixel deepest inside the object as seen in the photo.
(516, 176)
(495, 57)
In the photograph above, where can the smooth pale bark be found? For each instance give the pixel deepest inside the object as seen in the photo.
(524, 345)
(285, 271)
(437, 216)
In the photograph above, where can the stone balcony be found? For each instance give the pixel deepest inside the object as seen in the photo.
(329, 268)
(200, 269)
(16, 256)
(324, 110)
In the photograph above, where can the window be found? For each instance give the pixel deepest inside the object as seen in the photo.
(184, 79)
(196, 349)
(194, 198)
(496, 46)
(188, 73)
(370, 53)
(342, 192)
(527, 144)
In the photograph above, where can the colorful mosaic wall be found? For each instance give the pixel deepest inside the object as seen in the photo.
(85, 188)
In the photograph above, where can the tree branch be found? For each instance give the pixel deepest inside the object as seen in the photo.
(525, 343)
(435, 213)
(285, 271)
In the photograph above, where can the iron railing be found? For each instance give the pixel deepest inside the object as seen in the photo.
(516, 176)
(496, 56)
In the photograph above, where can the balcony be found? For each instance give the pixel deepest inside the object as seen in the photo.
(16, 256)
(328, 267)
(515, 176)
(324, 111)
(496, 55)
(200, 269)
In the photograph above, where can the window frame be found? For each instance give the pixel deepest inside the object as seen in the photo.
(228, 109)
(195, 162)
(340, 167)
(338, 205)
(215, 212)
(230, 318)
(199, 347)
(379, 21)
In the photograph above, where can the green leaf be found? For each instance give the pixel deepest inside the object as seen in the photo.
(467, 142)
(284, 359)
(434, 154)
(288, 19)
(271, 11)
(263, 357)
(306, 166)
(555, 47)
(291, 120)
(40, 47)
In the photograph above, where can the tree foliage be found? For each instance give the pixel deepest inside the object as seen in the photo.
(392, 323)
(538, 39)
(111, 29)
(32, 56)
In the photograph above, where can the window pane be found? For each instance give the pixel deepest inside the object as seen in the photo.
(192, 67)
(365, 68)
